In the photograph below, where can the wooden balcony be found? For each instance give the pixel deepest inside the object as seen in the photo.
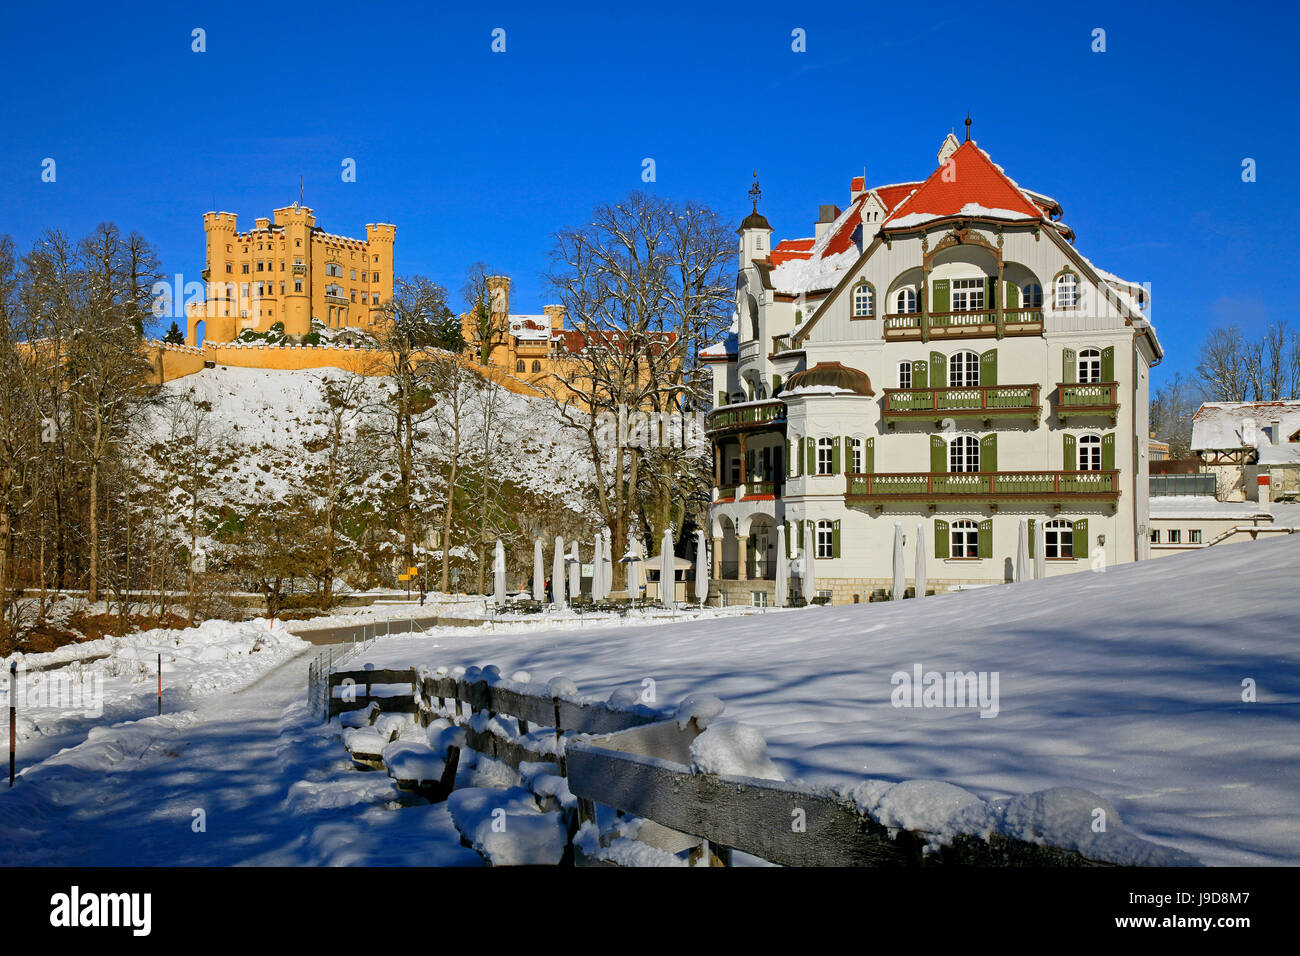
(983, 486)
(750, 416)
(783, 343)
(955, 325)
(1074, 399)
(981, 402)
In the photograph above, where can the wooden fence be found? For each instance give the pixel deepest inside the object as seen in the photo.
(639, 763)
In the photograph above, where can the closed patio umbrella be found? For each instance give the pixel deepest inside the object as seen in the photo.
(809, 571)
(539, 575)
(597, 565)
(701, 568)
(557, 573)
(667, 569)
(1022, 551)
(900, 576)
(782, 567)
(1040, 550)
(575, 572)
(920, 560)
(499, 574)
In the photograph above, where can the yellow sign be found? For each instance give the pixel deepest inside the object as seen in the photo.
(412, 572)
(403, 577)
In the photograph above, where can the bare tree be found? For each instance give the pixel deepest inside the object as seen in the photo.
(489, 318)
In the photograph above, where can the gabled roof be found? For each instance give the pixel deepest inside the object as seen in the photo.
(968, 184)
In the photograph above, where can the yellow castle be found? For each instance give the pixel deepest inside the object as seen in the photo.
(287, 269)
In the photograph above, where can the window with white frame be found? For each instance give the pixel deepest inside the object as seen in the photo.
(1032, 296)
(905, 301)
(796, 456)
(1155, 535)
(863, 301)
(963, 370)
(825, 456)
(968, 295)
(1067, 291)
(1058, 539)
(1194, 535)
(1090, 453)
(825, 539)
(1175, 536)
(964, 454)
(855, 455)
(1090, 366)
(964, 539)
(904, 374)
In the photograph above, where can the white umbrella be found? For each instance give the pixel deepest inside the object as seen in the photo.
(557, 573)
(575, 573)
(539, 577)
(1040, 550)
(597, 565)
(607, 571)
(667, 569)
(1022, 551)
(499, 574)
(920, 559)
(782, 571)
(701, 568)
(809, 572)
(900, 575)
(633, 561)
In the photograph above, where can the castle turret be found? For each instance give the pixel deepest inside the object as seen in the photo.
(297, 222)
(221, 294)
(380, 237)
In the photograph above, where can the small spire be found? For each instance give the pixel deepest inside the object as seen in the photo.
(755, 192)
(968, 127)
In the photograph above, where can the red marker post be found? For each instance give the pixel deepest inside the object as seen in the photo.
(13, 718)
(159, 684)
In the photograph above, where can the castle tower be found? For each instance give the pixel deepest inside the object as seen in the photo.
(380, 237)
(221, 295)
(297, 223)
(499, 302)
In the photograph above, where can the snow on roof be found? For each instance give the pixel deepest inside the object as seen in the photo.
(530, 327)
(815, 274)
(727, 344)
(1222, 425)
(1200, 506)
(970, 209)
(968, 178)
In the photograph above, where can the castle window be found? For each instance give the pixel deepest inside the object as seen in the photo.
(354, 275)
(537, 366)
(376, 279)
(354, 295)
(1032, 294)
(244, 268)
(863, 301)
(375, 299)
(230, 268)
(260, 266)
(519, 366)
(1067, 291)
(297, 285)
(298, 243)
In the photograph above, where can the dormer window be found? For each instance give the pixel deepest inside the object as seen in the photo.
(864, 301)
(1066, 293)
(758, 242)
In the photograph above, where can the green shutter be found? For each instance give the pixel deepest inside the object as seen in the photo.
(835, 455)
(1069, 366)
(938, 370)
(1081, 539)
(869, 456)
(989, 367)
(1013, 295)
(810, 456)
(938, 454)
(991, 285)
(1108, 364)
(940, 538)
(1031, 538)
(986, 538)
(940, 295)
(776, 385)
(920, 375)
(1069, 457)
(722, 397)
(989, 453)
(1108, 451)
(835, 538)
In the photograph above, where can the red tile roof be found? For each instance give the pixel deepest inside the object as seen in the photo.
(788, 249)
(968, 177)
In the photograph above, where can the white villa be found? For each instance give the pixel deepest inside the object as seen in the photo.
(937, 354)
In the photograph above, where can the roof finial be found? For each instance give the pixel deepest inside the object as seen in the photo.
(968, 127)
(755, 192)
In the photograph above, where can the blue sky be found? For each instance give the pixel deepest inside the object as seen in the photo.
(482, 156)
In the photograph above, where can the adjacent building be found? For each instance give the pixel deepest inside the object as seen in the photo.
(940, 356)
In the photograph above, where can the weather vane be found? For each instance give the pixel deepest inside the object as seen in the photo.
(755, 192)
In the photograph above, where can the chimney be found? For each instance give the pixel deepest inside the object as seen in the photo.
(825, 216)
(1263, 482)
(1275, 430)
(555, 316)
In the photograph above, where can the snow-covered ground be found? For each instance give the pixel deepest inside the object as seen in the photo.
(1127, 683)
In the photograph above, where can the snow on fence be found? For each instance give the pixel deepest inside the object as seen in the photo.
(640, 762)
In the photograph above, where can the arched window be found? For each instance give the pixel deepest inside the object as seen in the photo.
(905, 301)
(864, 301)
(537, 366)
(964, 454)
(963, 370)
(855, 455)
(1090, 453)
(1090, 366)
(964, 539)
(1032, 294)
(519, 366)
(1059, 539)
(825, 539)
(1067, 291)
(825, 456)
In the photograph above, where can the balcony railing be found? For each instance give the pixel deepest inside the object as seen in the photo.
(956, 324)
(783, 343)
(1092, 398)
(921, 486)
(988, 401)
(747, 415)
